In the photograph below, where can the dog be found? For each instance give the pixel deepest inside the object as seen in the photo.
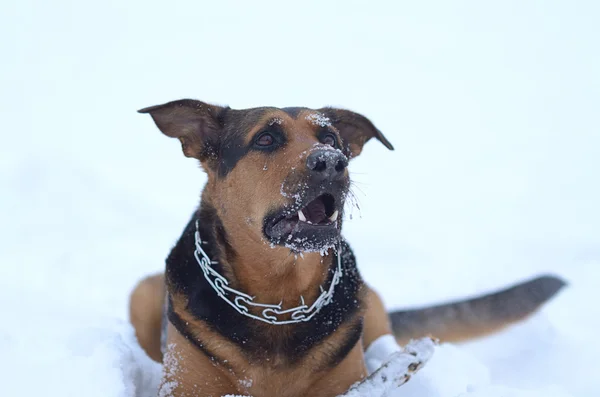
(261, 295)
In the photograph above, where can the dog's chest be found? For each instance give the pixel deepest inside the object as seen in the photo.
(277, 382)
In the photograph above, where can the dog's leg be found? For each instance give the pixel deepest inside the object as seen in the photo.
(189, 372)
(339, 379)
(377, 322)
(145, 313)
(378, 340)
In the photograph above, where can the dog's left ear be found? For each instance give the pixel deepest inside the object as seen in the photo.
(355, 129)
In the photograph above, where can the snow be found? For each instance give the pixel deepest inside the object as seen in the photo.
(172, 366)
(318, 119)
(398, 370)
(492, 109)
(51, 353)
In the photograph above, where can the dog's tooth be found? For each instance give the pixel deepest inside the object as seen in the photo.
(301, 216)
(334, 216)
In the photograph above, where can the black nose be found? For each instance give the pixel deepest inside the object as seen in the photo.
(327, 164)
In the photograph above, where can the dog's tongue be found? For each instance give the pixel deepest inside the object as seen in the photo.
(315, 211)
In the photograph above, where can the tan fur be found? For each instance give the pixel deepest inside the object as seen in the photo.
(238, 375)
(460, 333)
(376, 321)
(456, 332)
(252, 380)
(145, 313)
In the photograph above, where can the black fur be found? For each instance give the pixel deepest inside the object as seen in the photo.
(184, 276)
(351, 339)
(223, 242)
(232, 151)
(293, 112)
(234, 146)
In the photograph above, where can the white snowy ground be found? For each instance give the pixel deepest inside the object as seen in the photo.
(493, 109)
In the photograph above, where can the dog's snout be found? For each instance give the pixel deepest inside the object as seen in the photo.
(327, 164)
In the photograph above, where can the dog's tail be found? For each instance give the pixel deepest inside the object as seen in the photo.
(475, 317)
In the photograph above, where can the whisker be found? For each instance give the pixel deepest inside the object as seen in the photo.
(352, 202)
(358, 182)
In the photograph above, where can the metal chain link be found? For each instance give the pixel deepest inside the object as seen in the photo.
(270, 313)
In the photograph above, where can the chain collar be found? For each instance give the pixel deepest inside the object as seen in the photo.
(270, 314)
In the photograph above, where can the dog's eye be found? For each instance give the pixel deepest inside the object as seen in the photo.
(264, 139)
(330, 140)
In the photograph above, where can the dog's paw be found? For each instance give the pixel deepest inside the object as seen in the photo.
(398, 370)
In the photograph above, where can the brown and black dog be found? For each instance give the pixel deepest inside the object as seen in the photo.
(261, 294)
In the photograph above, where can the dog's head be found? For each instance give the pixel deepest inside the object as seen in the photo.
(278, 175)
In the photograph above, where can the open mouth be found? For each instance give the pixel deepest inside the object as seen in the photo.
(320, 211)
(313, 227)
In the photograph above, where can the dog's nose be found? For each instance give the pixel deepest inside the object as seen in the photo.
(327, 164)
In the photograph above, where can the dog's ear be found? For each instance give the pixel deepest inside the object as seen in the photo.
(355, 130)
(196, 124)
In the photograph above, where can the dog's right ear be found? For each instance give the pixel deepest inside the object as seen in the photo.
(196, 124)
